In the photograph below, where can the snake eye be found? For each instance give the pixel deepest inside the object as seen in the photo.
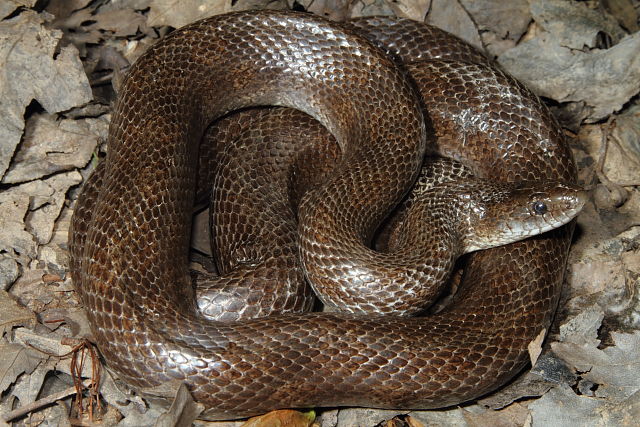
(540, 208)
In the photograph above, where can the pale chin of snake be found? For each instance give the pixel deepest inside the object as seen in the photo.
(129, 233)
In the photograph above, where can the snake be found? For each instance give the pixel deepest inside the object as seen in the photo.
(366, 84)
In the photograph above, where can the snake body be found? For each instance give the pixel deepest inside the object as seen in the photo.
(130, 234)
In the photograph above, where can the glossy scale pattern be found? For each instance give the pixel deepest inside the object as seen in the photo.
(130, 231)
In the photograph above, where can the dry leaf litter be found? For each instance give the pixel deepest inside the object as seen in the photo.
(60, 61)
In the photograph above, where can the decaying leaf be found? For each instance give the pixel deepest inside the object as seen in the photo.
(548, 372)
(623, 152)
(15, 360)
(508, 19)
(613, 369)
(178, 13)
(30, 210)
(133, 408)
(624, 11)
(337, 10)
(13, 314)
(552, 68)
(184, 410)
(416, 10)
(573, 24)
(52, 145)
(14, 236)
(9, 270)
(32, 70)
(27, 387)
(282, 418)
(535, 347)
(513, 415)
(569, 51)
(9, 6)
(452, 17)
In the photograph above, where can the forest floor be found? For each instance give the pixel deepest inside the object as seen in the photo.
(60, 59)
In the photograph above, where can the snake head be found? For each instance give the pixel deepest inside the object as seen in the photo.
(506, 213)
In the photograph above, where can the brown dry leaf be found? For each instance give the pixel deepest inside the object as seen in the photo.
(575, 25)
(370, 8)
(184, 410)
(401, 421)
(553, 65)
(75, 30)
(9, 269)
(548, 372)
(33, 70)
(506, 19)
(178, 13)
(133, 408)
(607, 382)
(535, 347)
(78, 323)
(452, 17)
(561, 407)
(7, 7)
(605, 268)
(15, 360)
(582, 328)
(51, 145)
(30, 211)
(13, 314)
(413, 422)
(336, 10)
(168, 389)
(500, 23)
(120, 22)
(50, 344)
(282, 418)
(27, 387)
(622, 161)
(412, 9)
(98, 22)
(567, 75)
(513, 415)
(14, 237)
(624, 12)
(64, 8)
(238, 5)
(364, 416)
(613, 369)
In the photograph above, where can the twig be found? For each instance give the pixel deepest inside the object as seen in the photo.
(77, 364)
(23, 410)
(78, 353)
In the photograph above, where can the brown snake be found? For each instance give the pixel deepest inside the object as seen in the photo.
(130, 233)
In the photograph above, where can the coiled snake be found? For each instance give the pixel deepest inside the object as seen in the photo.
(130, 231)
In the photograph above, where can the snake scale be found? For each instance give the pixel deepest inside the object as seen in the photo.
(130, 232)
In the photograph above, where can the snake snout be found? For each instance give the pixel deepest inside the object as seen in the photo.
(514, 212)
(558, 204)
(549, 206)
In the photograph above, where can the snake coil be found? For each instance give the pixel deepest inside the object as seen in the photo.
(130, 229)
